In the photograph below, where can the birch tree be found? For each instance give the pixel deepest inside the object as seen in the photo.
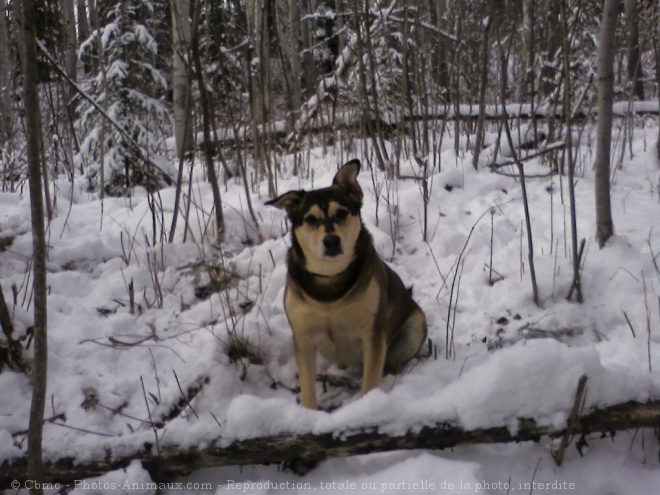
(180, 80)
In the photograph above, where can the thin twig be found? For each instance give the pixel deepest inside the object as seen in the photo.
(629, 324)
(216, 419)
(453, 283)
(117, 410)
(572, 422)
(550, 147)
(648, 321)
(183, 396)
(83, 430)
(151, 421)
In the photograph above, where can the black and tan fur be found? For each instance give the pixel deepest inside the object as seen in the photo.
(341, 299)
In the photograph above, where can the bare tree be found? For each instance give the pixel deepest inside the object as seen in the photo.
(70, 42)
(483, 82)
(180, 80)
(634, 58)
(182, 104)
(83, 21)
(657, 68)
(576, 286)
(206, 119)
(606, 48)
(552, 45)
(260, 18)
(294, 58)
(5, 78)
(70, 52)
(33, 137)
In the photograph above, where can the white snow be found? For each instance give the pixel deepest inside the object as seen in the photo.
(509, 358)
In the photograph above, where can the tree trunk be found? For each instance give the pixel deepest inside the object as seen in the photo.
(529, 25)
(70, 43)
(576, 286)
(255, 14)
(309, 66)
(180, 90)
(657, 72)
(33, 137)
(634, 58)
(259, 62)
(309, 448)
(206, 119)
(294, 59)
(440, 71)
(552, 46)
(6, 120)
(94, 23)
(483, 81)
(606, 48)
(83, 21)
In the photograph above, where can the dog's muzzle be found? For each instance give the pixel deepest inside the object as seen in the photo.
(332, 245)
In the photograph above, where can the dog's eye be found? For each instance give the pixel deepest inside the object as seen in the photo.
(341, 215)
(311, 220)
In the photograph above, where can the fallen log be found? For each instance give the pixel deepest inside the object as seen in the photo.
(310, 448)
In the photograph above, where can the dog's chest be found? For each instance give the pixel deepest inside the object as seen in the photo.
(337, 329)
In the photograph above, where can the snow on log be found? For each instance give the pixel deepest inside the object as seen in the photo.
(310, 121)
(310, 448)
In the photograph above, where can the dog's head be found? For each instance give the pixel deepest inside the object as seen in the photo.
(326, 222)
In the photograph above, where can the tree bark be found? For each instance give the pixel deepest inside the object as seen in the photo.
(39, 253)
(206, 120)
(552, 44)
(180, 91)
(634, 58)
(483, 82)
(657, 72)
(83, 22)
(70, 44)
(310, 448)
(294, 58)
(6, 120)
(576, 286)
(606, 48)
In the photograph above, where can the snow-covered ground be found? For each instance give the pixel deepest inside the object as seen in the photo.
(111, 369)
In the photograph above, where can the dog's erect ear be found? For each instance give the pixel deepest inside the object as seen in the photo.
(289, 201)
(346, 178)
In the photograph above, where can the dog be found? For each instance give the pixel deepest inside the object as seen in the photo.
(341, 299)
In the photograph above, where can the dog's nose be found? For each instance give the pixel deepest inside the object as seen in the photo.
(332, 244)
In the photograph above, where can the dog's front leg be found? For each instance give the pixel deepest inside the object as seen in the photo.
(375, 349)
(305, 354)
